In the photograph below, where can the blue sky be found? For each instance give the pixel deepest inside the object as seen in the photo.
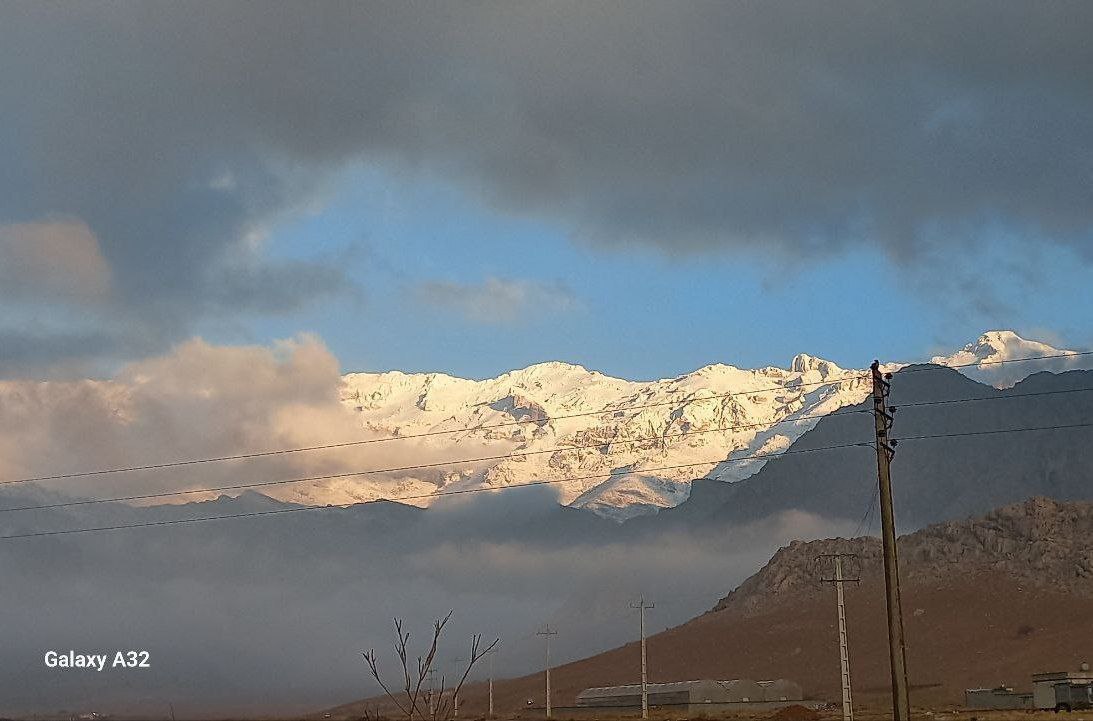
(631, 311)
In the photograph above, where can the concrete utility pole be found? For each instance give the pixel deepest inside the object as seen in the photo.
(844, 648)
(432, 692)
(455, 686)
(641, 607)
(490, 654)
(546, 632)
(901, 704)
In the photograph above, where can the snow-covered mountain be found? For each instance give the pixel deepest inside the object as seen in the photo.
(617, 447)
(984, 359)
(623, 448)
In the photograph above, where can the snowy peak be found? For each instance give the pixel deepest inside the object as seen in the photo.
(611, 445)
(803, 363)
(614, 446)
(987, 359)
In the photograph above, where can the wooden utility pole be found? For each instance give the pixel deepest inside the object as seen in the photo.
(641, 607)
(546, 633)
(901, 705)
(838, 581)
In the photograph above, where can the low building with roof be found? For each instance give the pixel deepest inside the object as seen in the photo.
(696, 697)
(1063, 690)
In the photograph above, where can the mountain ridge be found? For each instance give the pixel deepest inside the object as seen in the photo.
(717, 410)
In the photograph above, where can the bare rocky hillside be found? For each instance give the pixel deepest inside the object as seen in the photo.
(1039, 543)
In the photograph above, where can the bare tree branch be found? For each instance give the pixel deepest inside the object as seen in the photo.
(476, 655)
(442, 707)
(370, 659)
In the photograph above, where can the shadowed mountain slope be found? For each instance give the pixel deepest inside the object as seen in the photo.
(933, 479)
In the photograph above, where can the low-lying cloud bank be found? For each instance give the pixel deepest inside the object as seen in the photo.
(269, 615)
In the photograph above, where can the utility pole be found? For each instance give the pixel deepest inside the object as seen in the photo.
(490, 653)
(844, 648)
(546, 632)
(432, 692)
(886, 450)
(641, 607)
(455, 687)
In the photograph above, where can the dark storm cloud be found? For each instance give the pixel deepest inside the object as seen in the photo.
(175, 130)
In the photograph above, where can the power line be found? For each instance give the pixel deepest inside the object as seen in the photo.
(995, 432)
(936, 366)
(410, 436)
(261, 484)
(734, 427)
(509, 424)
(519, 454)
(865, 523)
(994, 398)
(435, 494)
(464, 491)
(560, 449)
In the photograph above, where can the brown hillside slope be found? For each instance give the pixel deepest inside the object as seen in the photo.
(988, 600)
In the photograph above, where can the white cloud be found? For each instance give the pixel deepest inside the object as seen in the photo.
(197, 401)
(499, 300)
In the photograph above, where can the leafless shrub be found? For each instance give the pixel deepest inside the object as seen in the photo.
(410, 698)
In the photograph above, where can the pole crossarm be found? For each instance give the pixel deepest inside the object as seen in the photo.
(546, 632)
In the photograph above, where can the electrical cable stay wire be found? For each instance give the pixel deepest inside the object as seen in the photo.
(422, 496)
(410, 436)
(866, 521)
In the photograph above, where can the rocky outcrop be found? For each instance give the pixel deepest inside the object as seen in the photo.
(1038, 543)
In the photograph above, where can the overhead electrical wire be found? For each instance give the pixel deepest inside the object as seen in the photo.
(526, 453)
(519, 454)
(515, 454)
(512, 486)
(1008, 396)
(929, 366)
(263, 484)
(422, 496)
(506, 456)
(962, 434)
(410, 436)
(509, 424)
